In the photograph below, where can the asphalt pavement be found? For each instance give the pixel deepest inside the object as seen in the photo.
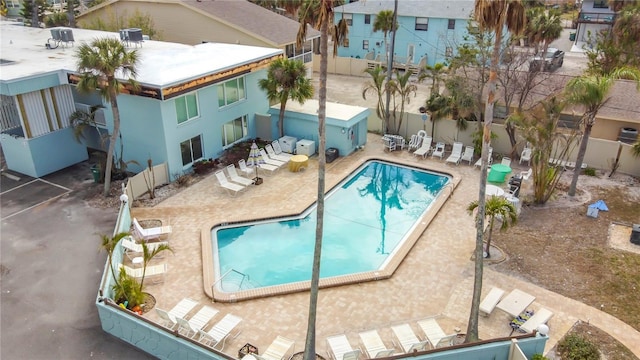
(51, 266)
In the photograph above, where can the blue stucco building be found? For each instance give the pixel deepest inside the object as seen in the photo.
(427, 28)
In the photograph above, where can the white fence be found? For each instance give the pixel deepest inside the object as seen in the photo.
(138, 184)
(600, 153)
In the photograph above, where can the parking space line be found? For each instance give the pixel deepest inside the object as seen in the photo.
(67, 191)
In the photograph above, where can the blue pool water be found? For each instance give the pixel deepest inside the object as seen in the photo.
(366, 217)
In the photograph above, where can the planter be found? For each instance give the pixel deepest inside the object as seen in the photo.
(149, 303)
(247, 349)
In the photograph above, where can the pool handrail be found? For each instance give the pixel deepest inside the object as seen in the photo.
(244, 276)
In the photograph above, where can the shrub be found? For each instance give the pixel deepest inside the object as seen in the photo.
(183, 179)
(128, 290)
(590, 171)
(539, 357)
(577, 347)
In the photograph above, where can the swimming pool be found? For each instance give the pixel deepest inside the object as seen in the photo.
(368, 217)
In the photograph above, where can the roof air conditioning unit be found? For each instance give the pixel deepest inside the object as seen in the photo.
(628, 135)
(135, 35)
(66, 35)
(98, 115)
(55, 34)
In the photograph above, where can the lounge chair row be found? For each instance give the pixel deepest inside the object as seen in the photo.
(459, 152)
(407, 341)
(176, 319)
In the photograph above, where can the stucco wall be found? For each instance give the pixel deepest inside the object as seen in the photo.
(176, 23)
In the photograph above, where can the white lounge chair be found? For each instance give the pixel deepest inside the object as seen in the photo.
(424, 148)
(179, 311)
(489, 158)
(438, 151)
(233, 175)
(341, 349)
(435, 334)
(456, 153)
(232, 188)
(414, 143)
(278, 149)
(540, 317)
(197, 321)
(409, 342)
(389, 143)
(133, 249)
(150, 233)
(525, 156)
(467, 155)
(220, 331)
(525, 175)
(272, 154)
(247, 171)
(374, 346)
(270, 161)
(278, 349)
(491, 300)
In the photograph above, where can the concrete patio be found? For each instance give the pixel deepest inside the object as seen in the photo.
(435, 278)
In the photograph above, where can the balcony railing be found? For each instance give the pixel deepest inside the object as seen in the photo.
(590, 17)
(305, 57)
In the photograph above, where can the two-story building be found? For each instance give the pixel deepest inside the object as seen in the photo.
(428, 29)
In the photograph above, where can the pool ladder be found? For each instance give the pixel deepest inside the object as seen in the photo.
(234, 280)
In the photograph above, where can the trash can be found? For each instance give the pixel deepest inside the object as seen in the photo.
(572, 36)
(96, 174)
(331, 154)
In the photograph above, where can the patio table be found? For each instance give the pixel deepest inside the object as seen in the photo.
(492, 190)
(298, 162)
(516, 302)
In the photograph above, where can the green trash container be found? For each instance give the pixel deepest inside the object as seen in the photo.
(572, 36)
(96, 174)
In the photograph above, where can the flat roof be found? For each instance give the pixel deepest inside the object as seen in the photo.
(23, 54)
(334, 110)
(451, 9)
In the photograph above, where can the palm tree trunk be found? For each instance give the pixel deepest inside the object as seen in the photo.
(71, 15)
(35, 22)
(112, 144)
(283, 106)
(310, 342)
(580, 157)
(472, 327)
(387, 114)
(489, 237)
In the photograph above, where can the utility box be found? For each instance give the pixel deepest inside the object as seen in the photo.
(635, 234)
(306, 147)
(288, 144)
(592, 212)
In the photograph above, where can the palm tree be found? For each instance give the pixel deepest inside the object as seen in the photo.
(438, 106)
(286, 79)
(591, 92)
(436, 73)
(109, 244)
(492, 15)
(378, 87)
(384, 22)
(545, 27)
(98, 62)
(147, 255)
(496, 206)
(635, 149)
(402, 87)
(319, 14)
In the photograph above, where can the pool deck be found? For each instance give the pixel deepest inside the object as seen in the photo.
(435, 278)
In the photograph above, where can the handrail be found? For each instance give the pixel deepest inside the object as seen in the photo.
(227, 273)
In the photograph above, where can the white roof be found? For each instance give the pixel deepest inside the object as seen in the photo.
(450, 9)
(23, 54)
(334, 110)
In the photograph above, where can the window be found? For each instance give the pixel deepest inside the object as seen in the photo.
(367, 19)
(186, 108)
(448, 51)
(600, 4)
(422, 24)
(348, 18)
(231, 91)
(365, 44)
(346, 43)
(452, 24)
(191, 150)
(234, 130)
(13, 4)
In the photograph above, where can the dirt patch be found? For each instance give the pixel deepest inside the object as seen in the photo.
(558, 247)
